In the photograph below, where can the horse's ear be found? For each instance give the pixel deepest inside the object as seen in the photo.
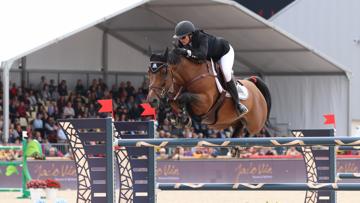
(166, 53)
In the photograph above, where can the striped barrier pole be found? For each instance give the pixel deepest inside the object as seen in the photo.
(348, 175)
(10, 147)
(242, 142)
(260, 186)
(10, 163)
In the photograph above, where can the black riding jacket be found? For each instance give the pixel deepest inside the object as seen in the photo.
(206, 46)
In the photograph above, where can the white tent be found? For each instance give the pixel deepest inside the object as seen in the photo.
(261, 48)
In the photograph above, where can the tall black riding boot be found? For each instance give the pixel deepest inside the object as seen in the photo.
(231, 87)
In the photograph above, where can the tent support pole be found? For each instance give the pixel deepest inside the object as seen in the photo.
(6, 66)
(104, 56)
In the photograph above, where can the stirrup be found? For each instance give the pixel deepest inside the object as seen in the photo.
(241, 107)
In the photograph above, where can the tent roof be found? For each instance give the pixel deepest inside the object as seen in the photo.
(260, 46)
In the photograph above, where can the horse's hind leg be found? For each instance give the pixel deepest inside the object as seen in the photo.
(238, 132)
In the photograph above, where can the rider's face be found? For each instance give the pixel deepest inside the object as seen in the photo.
(185, 40)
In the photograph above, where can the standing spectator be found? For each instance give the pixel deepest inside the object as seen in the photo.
(52, 87)
(79, 88)
(93, 85)
(99, 92)
(69, 111)
(130, 90)
(13, 91)
(62, 88)
(121, 88)
(114, 91)
(102, 84)
(45, 93)
(42, 83)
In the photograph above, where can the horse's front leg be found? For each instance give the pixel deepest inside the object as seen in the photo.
(183, 109)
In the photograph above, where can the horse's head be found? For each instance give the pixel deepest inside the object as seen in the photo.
(160, 78)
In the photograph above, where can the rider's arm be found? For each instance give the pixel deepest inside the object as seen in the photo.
(200, 51)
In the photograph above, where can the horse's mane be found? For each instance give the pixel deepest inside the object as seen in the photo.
(174, 57)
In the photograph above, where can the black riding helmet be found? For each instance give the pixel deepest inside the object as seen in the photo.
(183, 28)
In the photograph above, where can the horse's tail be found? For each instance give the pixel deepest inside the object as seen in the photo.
(261, 85)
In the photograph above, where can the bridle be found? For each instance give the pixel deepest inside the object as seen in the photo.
(160, 91)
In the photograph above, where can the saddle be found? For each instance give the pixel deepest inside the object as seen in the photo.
(210, 117)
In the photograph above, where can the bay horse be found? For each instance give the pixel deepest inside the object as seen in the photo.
(192, 83)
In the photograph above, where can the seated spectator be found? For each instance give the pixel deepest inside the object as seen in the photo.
(91, 111)
(45, 93)
(31, 99)
(162, 153)
(69, 111)
(53, 152)
(62, 88)
(61, 103)
(52, 109)
(61, 137)
(50, 131)
(267, 151)
(38, 123)
(19, 130)
(292, 152)
(37, 136)
(13, 134)
(178, 153)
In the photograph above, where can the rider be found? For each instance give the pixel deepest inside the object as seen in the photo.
(199, 45)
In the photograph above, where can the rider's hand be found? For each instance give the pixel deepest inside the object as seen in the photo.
(182, 51)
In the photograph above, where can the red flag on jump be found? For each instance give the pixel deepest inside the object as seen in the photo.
(106, 105)
(330, 119)
(148, 110)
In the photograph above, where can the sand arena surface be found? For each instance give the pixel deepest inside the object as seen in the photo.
(209, 197)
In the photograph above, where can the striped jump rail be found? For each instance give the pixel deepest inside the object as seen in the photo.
(348, 175)
(10, 147)
(243, 142)
(260, 186)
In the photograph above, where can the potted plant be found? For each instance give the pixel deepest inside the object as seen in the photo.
(52, 186)
(36, 188)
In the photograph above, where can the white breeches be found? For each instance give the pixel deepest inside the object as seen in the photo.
(226, 64)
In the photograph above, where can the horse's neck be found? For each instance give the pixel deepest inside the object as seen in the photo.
(199, 80)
